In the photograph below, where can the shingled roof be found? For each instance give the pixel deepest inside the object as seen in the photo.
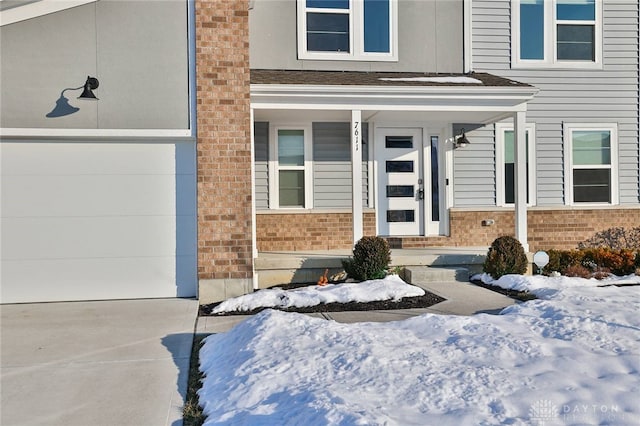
(358, 78)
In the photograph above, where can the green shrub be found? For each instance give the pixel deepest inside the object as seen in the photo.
(371, 258)
(558, 261)
(506, 256)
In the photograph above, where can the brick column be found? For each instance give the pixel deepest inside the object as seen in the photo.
(225, 254)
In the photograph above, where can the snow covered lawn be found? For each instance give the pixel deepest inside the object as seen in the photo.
(571, 357)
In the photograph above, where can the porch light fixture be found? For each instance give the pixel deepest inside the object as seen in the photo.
(89, 85)
(461, 141)
(63, 107)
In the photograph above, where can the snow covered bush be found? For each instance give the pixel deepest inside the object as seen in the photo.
(506, 256)
(370, 261)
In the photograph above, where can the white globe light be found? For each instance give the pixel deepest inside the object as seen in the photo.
(541, 258)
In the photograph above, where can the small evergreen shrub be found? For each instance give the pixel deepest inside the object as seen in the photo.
(370, 261)
(506, 256)
(558, 261)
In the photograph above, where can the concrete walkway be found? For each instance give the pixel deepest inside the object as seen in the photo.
(96, 363)
(462, 299)
(126, 362)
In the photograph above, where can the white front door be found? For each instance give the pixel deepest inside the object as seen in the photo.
(400, 200)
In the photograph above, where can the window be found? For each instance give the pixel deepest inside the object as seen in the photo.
(591, 163)
(347, 30)
(290, 168)
(557, 33)
(505, 164)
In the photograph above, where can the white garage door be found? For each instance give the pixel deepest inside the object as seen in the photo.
(92, 221)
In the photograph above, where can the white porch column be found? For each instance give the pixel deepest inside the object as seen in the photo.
(356, 174)
(254, 238)
(520, 151)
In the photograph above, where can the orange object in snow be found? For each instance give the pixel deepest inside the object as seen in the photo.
(323, 279)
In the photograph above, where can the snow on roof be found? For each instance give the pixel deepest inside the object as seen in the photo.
(452, 79)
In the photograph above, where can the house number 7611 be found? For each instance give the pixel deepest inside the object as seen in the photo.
(356, 133)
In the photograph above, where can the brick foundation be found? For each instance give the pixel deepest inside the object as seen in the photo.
(564, 229)
(224, 142)
(308, 231)
(547, 229)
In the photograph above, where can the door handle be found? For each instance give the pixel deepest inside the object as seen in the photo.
(420, 194)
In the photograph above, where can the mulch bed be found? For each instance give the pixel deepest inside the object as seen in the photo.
(429, 299)
(522, 296)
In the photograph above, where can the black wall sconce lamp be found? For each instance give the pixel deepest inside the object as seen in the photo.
(63, 107)
(89, 85)
(461, 141)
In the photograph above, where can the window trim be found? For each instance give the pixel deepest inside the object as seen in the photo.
(500, 129)
(567, 139)
(274, 166)
(356, 34)
(550, 39)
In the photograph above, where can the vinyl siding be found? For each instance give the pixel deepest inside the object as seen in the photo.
(608, 95)
(261, 152)
(474, 168)
(331, 166)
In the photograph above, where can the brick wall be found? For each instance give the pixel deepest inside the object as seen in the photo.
(547, 229)
(224, 143)
(564, 229)
(309, 231)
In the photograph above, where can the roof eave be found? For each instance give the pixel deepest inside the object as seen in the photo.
(386, 97)
(36, 9)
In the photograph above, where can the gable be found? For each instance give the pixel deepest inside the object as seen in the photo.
(12, 11)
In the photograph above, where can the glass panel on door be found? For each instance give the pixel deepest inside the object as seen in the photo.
(401, 215)
(400, 181)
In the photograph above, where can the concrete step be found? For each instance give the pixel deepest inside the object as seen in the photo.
(272, 277)
(429, 274)
(274, 268)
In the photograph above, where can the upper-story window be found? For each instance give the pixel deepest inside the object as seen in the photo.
(557, 33)
(362, 30)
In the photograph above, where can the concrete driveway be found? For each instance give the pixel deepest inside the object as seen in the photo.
(111, 363)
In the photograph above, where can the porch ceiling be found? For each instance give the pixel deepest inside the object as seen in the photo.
(477, 98)
(302, 115)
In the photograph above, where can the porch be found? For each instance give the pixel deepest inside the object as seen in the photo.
(437, 263)
(353, 154)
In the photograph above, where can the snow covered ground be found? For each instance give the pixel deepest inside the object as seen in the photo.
(571, 357)
(389, 288)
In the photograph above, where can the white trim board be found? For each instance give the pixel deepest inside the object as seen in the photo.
(480, 99)
(92, 133)
(38, 8)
